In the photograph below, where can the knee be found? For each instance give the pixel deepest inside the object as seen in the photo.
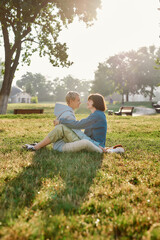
(86, 141)
(59, 128)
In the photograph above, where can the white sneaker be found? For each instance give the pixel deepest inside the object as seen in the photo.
(29, 147)
(115, 150)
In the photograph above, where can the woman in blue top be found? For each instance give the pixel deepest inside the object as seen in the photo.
(95, 125)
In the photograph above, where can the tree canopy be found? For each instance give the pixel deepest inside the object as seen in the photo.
(34, 25)
(129, 73)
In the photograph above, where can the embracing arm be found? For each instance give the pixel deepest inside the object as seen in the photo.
(79, 124)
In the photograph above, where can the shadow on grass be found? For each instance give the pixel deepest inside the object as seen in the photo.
(75, 171)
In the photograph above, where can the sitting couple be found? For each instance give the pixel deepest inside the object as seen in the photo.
(67, 136)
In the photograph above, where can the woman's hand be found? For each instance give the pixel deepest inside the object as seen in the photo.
(56, 122)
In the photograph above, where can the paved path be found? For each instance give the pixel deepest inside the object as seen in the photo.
(144, 111)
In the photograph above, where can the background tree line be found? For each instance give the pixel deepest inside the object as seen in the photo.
(133, 72)
(52, 90)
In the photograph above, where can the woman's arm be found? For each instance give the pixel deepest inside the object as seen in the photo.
(79, 124)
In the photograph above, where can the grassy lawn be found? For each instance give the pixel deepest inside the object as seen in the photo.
(51, 195)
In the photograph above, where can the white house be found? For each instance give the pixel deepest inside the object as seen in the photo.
(21, 97)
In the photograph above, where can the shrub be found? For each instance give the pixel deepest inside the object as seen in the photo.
(34, 99)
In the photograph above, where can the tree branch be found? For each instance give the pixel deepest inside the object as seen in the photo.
(12, 25)
(15, 63)
(6, 38)
(25, 32)
(29, 39)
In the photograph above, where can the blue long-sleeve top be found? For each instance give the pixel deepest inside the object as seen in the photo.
(95, 126)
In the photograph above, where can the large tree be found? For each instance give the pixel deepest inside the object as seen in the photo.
(129, 73)
(148, 74)
(123, 73)
(27, 23)
(117, 74)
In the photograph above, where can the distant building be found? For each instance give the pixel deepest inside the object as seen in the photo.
(21, 97)
(18, 96)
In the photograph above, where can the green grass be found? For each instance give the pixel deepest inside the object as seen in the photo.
(51, 195)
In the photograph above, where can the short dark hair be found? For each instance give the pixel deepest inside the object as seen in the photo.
(98, 101)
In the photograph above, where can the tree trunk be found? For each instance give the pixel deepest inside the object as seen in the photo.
(3, 103)
(12, 55)
(4, 95)
(151, 94)
(122, 99)
(6, 86)
(127, 97)
(10, 69)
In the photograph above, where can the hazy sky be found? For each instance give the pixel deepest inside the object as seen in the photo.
(122, 25)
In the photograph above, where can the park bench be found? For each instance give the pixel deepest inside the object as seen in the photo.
(28, 111)
(125, 111)
(110, 112)
(155, 105)
(157, 110)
